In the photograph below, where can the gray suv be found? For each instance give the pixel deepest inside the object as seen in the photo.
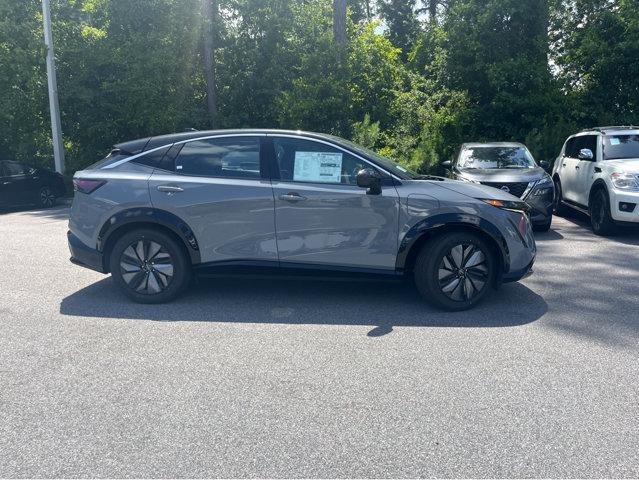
(160, 209)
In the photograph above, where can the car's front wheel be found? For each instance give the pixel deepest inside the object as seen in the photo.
(455, 271)
(600, 219)
(149, 266)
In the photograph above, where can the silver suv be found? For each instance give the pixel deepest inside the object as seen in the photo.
(159, 209)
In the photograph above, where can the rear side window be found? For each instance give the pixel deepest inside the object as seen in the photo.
(227, 157)
(151, 159)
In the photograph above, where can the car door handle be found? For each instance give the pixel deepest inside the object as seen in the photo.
(563, 164)
(576, 167)
(292, 197)
(170, 189)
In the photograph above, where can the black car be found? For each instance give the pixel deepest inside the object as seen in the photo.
(509, 167)
(24, 185)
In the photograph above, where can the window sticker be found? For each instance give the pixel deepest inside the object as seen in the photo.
(325, 167)
(614, 141)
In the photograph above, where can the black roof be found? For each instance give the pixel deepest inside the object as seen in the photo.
(142, 144)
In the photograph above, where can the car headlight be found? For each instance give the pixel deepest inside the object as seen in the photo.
(514, 206)
(625, 181)
(543, 186)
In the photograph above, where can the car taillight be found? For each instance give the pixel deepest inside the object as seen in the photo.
(85, 185)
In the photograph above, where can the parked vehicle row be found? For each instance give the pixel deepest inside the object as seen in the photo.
(160, 209)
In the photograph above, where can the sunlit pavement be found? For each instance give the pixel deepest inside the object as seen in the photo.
(283, 378)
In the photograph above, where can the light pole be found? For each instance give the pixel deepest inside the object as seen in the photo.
(58, 146)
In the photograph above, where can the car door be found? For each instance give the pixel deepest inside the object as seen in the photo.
(569, 164)
(220, 187)
(322, 217)
(585, 168)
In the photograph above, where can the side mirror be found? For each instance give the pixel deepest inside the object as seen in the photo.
(585, 154)
(545, 164)
(370, 180)
(447, 163)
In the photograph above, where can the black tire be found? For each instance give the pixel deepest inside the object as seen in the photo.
(543, 227)
(167, 271)
(46, 197)
(559, 208)
(436, 259)
(600, 219)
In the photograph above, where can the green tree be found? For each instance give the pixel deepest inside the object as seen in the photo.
(401, 19)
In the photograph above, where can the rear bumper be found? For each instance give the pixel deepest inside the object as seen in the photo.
(85, 256)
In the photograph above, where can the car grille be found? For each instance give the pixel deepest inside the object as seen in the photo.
(516, 189)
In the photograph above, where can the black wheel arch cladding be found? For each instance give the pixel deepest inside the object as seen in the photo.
(146, 216)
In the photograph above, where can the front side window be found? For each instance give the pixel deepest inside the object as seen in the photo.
(302, 160)
(620, 147)
(585, 142)
(227, 157)
(495, 157)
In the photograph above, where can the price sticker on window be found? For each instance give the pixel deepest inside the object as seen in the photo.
(323, 167)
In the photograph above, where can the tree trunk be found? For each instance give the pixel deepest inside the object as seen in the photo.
(209, 13)
(339, 21)
(432, 11)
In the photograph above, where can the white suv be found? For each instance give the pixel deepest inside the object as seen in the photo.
(597, 172)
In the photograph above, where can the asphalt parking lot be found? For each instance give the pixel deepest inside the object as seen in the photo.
(282, 378)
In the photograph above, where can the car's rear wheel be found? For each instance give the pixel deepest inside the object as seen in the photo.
(46, 197)
(600, 219)
(558, 206)
(455, 271)
(149, 266)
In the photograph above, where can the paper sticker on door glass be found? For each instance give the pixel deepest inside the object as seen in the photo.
(323, 167)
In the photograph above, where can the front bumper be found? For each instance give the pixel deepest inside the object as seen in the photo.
(85, 256)
(517, 275)
(617, 197)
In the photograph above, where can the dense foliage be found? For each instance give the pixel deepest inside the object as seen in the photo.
(413, 80)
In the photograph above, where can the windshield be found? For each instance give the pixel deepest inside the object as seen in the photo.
(619, 147)
(391, 166)
(495, 157)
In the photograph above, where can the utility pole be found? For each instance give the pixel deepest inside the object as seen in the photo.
(58, 146)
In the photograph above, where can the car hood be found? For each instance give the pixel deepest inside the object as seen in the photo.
(503, 175)
(626, 165)
(476, 190)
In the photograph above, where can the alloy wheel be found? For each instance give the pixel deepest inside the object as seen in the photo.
(463, 272)
(146, 267)
(47, 199)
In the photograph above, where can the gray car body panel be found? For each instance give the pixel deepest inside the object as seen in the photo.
(335, 226)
